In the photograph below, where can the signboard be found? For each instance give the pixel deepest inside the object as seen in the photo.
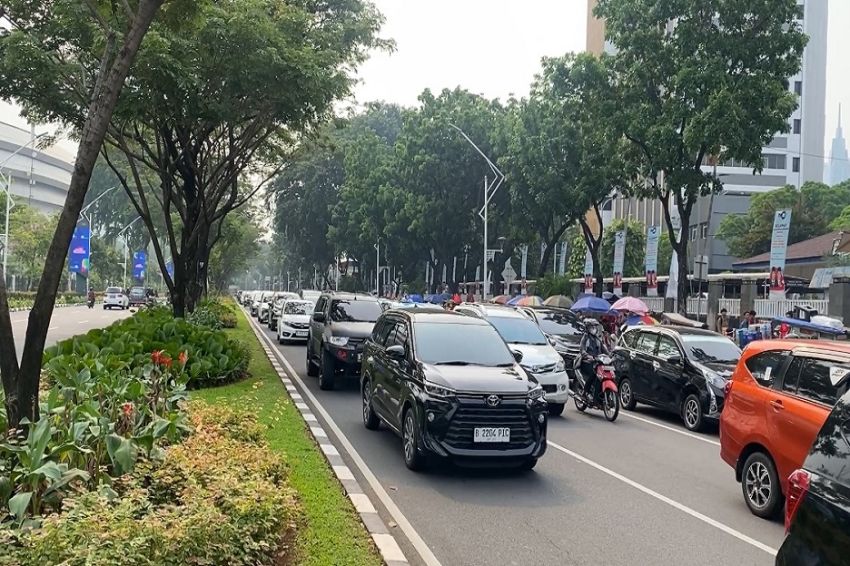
(562, 261)
(79, 253)
(619, 260)
(140, 265)
(588, 272)
(523, 264)
(653, 237)
(778, 250)
(508, 273)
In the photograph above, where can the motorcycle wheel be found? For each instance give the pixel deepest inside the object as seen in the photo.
(578, 399)
(610, 405)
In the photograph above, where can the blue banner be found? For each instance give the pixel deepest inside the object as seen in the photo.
(140, 264)
(80, 252)
(169, 268)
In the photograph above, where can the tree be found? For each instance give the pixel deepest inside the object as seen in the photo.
(240, 236)
(815, 210)
(696, 79)
(56, 57)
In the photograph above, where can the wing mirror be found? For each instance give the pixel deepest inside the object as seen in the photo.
(675, 360)
(396, 352)
(517, 355)
(319, 317)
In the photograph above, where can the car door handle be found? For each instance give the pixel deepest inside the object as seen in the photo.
(777, 405)
(655, 365)
(370, 359)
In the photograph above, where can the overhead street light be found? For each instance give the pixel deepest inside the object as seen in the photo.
(127, 247)
(91, 229)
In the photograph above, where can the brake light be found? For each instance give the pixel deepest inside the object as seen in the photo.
(727, 389)
(798, 487)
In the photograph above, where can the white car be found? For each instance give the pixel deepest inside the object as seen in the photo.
(114, 297)
(293, 324)
(539, 358)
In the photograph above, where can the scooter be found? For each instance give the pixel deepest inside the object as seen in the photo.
(607, 399)
(90, 303)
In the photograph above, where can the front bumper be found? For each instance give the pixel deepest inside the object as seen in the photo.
(289, 333)
(348, 358)
(556, 385)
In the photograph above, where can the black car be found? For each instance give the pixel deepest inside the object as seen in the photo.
(817, 503)
(683, 370)
(563, 329)
(451, 388)
(339, 327)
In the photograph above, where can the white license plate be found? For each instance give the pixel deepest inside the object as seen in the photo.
(492, 434)
(301, 334)
(607, 368)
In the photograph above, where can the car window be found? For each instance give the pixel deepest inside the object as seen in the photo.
(765, 366)
(355, 311)
(558, 324)
(320, 304)
(792, 374)
(667, 348)
(291, 307)
(382, 330)
(630, 339)
(460, 344)
(708, 349)
(646, 342)
(830, 452)
(518, 330)
(822, 381)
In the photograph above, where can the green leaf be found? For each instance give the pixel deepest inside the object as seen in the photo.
(121, 453)
(18, 504)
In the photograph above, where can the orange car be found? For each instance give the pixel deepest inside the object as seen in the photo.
(780, 394)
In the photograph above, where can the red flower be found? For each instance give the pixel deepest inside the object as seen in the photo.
(166, 360)
(156, 357)
(127, 409)
(183, 358)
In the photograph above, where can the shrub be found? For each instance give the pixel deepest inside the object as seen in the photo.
(220, 497)
(213, 314)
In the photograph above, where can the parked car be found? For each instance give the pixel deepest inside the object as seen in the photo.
(779, 398)
(293, 323)
(275, 305)
(451, 388)
(260, 299)
(817, 506)
(538, 356)
(137, 297)
(681, 369)
(340, 324)
(114, 297)
(563, 329)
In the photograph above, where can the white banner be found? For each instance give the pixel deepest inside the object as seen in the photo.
(619, 260)
(778, 250)
(673, 282)
(562, 261)
(523, 265)
(588, 272)
(653, 236)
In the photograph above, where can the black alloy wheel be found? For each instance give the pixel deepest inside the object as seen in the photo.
(370, 419)
(327, 371)
(627, 398)
(413, 459)
(610, 405)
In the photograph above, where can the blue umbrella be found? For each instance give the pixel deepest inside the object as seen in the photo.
(415, 299)
(591, 304)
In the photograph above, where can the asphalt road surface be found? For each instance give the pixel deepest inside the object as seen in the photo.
(66, 322)
(636, 492)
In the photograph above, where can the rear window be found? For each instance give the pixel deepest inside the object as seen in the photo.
(830, 453)
(113, 290)
(765, 366)
(558, 324)
(822, 381)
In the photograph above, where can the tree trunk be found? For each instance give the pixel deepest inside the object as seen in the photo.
(21, 383)
(682, 283)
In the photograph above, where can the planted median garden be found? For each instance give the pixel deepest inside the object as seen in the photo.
(127, 464)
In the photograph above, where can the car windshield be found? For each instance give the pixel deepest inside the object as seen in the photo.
(297, 308)
(710, 348)
(460, 344)
(137, 292)
(557, 324)
(518, 330)
(113, 290)
(355, 311)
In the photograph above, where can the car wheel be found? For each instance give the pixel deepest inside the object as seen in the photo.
(370, 419)
(760, 485)
(556, 409)
(413, 458)
(328, 371)
(312, 369)
(627, 398)
(692, 413)
(104, 307)
(528, 465)
(279, 339)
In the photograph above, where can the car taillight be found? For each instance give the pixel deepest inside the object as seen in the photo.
(727, 388)
(798, 487)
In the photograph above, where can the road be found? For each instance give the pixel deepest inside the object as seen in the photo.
(639, 491)
(66, 322)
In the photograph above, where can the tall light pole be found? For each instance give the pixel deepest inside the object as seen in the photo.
(490, 188)
(91, 228)
(127, 247)
(378, 268)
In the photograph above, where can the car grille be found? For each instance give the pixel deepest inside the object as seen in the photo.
(298, 325)
(553, 388)
(356, 342)
(461, 428)
(547, 368)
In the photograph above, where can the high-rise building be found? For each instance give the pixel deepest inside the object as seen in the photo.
(839, 162)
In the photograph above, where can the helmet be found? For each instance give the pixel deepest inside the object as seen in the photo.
(592, 326)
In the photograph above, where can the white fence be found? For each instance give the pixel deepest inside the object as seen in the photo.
(655, 304)
(732, 306)
(765, 308)
(697, 305)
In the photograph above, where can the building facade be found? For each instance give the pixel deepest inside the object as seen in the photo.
(839, 162)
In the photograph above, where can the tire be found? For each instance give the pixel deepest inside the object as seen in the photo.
(413, 458)
(760, 486)
(610, 405)
(279, 339)
(370, 419)
(327, 372)
(104, 307)
(528, 465)
(578, 399)
(556, 409)
(692, 413)
(312, 368)
(627, 398)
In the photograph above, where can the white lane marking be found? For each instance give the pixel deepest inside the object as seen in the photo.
(424, 552)
(663, 498)
(670, 428)
(82, 322)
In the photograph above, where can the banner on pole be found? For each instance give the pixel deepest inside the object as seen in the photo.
(588, 272)
(673, 281)
(562, 261)
(523, 265)
(169, 268)
(778, 251)
(80, 252)
(653, 236)
(140, 264)
(619, 260)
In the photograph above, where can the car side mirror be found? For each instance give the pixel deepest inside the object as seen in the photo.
(674, 360)
(396, 352)
(319, 317)
(517, 355)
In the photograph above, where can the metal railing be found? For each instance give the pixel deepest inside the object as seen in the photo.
(695, 303)
(766, 308)
(732, 306)
(655, 304)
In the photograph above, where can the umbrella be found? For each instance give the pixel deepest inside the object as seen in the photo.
(501, 299)
(640, 319)
(526, 301)
(558, 301)
(631, 304)
(610, 297)
(415, 299)
(591, 304)
(437, 298)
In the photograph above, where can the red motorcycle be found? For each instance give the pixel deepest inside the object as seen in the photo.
(607, 399)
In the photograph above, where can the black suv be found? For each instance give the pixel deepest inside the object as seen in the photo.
(451, 388)
(683, 370)
(340, 325)
(817, 503)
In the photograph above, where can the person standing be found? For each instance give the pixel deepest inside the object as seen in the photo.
(721, 324)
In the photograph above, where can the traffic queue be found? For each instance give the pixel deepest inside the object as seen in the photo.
(476, 383)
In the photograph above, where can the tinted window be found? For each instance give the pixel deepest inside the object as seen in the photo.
(320, 304)
(558, 324)
(398, 335)
(819, 378)
(297, 308)
(646, 342)
(630, 339)
(461, 344)
(382, 330)
(789, 382)
(667, 348)
(710, 348)
(764, 367)
(355, 311)
(830, 454)
(518, 330)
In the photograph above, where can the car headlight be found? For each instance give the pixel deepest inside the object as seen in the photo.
(560, 366)
(715, 379)
(339, 340)
(438, 390)
(536, 393)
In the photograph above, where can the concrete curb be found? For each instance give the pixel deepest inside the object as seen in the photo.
(387, 545)
(54, 306)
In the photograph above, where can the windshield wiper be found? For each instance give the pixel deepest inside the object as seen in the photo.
(452, 363)
(504, 365)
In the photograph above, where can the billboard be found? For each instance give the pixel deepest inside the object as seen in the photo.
(140, 265)
(778, 251)
(79, 253)
(653, 235)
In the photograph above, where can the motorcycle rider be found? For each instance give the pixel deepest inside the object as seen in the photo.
(91, 298)
(592, 345)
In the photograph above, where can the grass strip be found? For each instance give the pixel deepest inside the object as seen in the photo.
(331, 533)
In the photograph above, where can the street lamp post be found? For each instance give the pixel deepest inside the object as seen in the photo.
(378, 267)
(91, 228)
(127, 247)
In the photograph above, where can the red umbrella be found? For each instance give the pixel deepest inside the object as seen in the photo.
(501, 299)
